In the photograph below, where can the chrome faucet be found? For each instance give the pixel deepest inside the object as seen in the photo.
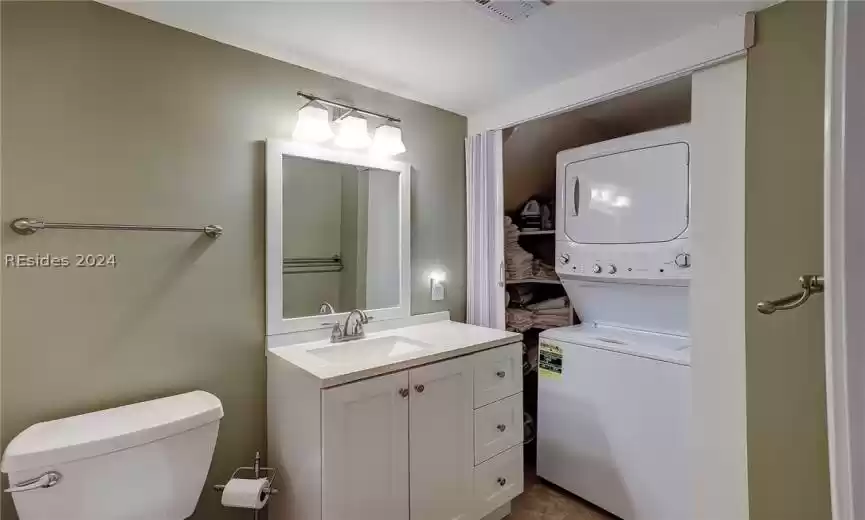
(353, 328)
(326, 308)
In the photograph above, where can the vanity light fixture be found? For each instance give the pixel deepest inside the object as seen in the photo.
(313, 124)
(353, 132)
(352, 126)
(387, 140)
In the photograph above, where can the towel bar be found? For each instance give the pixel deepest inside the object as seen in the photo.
(28, 226)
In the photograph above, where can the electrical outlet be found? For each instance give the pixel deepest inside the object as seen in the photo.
(437, 290)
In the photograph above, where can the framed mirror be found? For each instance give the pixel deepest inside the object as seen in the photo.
(337, 238)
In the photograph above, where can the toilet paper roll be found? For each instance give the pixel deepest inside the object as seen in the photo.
(245, 493)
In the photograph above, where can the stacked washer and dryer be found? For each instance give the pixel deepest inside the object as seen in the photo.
(614, 393)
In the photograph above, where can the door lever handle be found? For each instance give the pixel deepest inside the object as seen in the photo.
(811, 284)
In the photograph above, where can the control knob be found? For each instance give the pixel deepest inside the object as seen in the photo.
(683, 260)
(596, 269)
(612, 269)
(564, 258)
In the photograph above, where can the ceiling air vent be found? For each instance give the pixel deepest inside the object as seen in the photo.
(512, 11)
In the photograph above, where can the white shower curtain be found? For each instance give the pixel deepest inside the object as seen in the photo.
(484, 212)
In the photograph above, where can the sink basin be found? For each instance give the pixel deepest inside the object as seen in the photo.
(371, 350)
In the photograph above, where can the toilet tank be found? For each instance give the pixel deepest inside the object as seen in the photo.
(145, 461)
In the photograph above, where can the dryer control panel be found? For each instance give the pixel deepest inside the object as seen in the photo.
(632, 262)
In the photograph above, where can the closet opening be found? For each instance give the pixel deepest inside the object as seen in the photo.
(534, 296)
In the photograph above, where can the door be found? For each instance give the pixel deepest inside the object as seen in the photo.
(639, 195)
(442, 440)
(785, 385)
(485, 251)
(365, 450)
(845, 255)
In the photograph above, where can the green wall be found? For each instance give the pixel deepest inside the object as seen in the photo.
(786, 401)
(109, 117)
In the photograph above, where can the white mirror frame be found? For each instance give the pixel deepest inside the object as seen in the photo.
(275, 151)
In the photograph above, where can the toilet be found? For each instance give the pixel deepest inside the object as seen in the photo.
(145, 461)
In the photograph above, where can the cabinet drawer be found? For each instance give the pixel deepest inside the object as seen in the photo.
(498, 426)
(498, 481)
(498, 373)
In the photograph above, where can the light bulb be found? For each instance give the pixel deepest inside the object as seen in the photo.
(352, 133)
(313, 125)
(388, 140)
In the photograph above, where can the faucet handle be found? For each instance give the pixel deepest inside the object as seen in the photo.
(336, 331)
(356, 327)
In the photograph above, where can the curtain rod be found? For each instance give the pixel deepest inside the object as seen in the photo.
(310, 97)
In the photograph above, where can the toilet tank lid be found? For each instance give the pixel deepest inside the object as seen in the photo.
(98, 433)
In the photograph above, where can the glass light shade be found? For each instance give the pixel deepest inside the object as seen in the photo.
(352, 133)
(313, 125)
(388, 140)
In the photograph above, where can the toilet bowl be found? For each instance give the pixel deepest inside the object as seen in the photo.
(145, 461)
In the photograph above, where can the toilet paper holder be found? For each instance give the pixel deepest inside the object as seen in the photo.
(256, 469)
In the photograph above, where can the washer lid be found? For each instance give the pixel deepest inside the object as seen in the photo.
(663, 347)
(93, 434)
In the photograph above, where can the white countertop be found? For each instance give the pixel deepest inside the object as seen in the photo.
(441, 340)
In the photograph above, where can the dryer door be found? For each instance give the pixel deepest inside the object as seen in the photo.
(636, 196)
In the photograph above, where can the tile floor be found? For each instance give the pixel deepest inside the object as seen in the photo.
(542, 501)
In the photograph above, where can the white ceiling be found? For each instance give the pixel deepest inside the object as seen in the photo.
(449, 54)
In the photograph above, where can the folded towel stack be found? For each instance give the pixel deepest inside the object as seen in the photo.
(547, 314)
(518, 261)
(519, 320)
(543, 271)
(553, 318)
(551, 304)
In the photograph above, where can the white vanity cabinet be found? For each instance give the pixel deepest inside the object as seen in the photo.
(416, 444)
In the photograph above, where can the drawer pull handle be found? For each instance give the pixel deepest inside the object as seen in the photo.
(501, 374)
(502, 481)
(501, 427)
(419, 388)
(403, 392)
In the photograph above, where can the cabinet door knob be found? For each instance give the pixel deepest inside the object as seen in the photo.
(403, 392)
(419, 388)
(501, 427)
(501, 374)
(502, 481)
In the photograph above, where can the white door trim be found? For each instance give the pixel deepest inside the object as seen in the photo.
(719, 434)
(843, 337)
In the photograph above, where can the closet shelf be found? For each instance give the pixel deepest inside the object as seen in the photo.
(540, 232)
(532, 280)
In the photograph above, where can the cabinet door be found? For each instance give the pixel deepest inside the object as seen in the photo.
(365, 450)
(442, 446)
